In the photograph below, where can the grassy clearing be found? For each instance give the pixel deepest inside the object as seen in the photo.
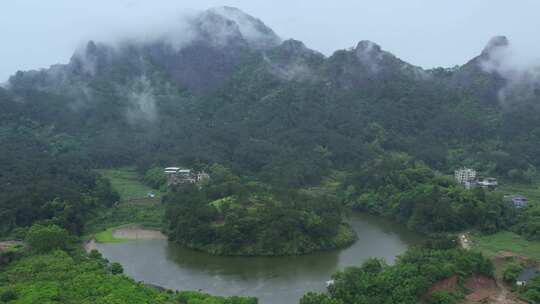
(129, 232)
(126, 181)
(147, 216)
(531, 191)
(106, 236)
(329, 185)
(491, 245)
(134, 207)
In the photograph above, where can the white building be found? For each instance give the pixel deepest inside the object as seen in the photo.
(464, 175)
(489, 182)
(176, 175)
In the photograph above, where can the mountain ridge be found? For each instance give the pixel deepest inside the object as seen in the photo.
(246, 99)
(225, 37)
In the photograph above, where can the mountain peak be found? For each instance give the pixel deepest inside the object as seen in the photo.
(294, 46)
(368, 46)
(231, 21)
(495, 43)
(370, 55)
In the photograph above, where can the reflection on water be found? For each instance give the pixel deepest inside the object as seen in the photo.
(273, 280)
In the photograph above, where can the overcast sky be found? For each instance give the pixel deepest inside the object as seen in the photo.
(37, 33)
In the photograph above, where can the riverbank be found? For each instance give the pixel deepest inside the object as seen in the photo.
(124, 233)
(281, 279)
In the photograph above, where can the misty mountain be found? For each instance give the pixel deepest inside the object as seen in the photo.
(227, 89)
(367, 64)
(199, 57)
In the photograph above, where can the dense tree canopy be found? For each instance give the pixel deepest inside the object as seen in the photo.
(59, 277)
(405, 282)
(412, 193)
(44, 176)
(234, 216)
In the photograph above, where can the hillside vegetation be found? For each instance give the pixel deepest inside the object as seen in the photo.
(228, 215)
(292, 138)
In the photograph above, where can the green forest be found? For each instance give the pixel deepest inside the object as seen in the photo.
(61, 277)
(271, 125)
(231, 216)
(405, 282)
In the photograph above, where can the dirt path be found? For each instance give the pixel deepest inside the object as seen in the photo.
(5, 245)
(505, 296)
(489, 290)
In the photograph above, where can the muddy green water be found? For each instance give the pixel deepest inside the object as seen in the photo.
(277, 280)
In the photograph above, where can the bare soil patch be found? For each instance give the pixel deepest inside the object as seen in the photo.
(138, 233)
(446, 284)
(489, 290)
(482, 288)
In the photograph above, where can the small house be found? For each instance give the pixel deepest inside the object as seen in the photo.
(490, 183)
(519, 201)
(526, 274)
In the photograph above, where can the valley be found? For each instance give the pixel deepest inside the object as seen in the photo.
(218, 163)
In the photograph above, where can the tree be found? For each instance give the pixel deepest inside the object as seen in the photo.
(47, 238)
(313, 298)
(442, 297)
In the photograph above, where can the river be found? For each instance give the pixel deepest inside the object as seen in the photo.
(281, 280)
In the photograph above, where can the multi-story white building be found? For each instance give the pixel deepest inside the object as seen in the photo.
(465, 175)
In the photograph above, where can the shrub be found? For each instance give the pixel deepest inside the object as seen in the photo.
(512, 272)
(8, 295)
(116, 268)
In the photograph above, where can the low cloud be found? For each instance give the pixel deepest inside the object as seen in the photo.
(520, 69)
(370, 55)
(142, 101)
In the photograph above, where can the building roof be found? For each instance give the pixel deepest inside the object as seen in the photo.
(527, 274)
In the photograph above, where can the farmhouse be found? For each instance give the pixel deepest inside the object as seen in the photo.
(490, 183)
(177, 175)
(519, 201)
